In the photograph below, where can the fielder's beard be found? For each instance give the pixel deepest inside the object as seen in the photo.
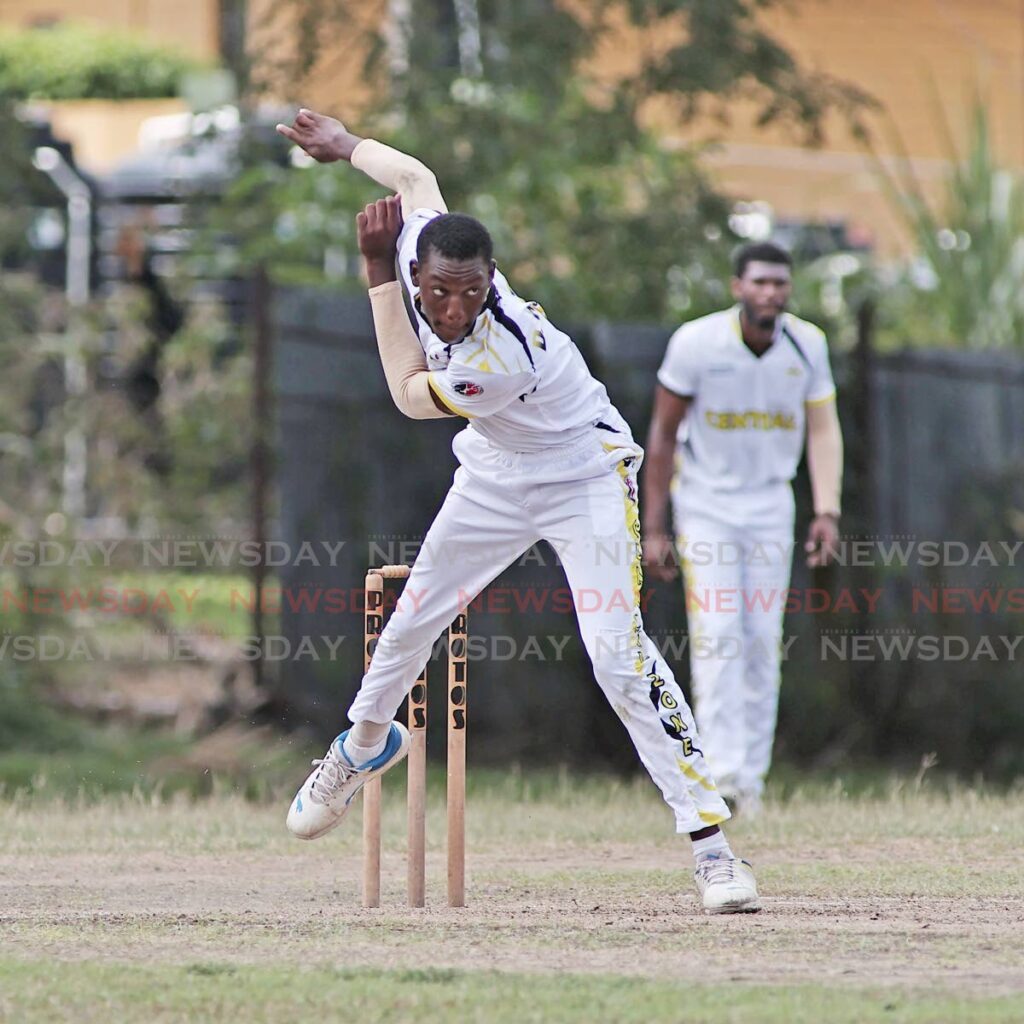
(760, 321)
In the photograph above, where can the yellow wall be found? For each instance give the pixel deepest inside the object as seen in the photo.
(188, 24)
(104, 132)
(915, 56)
(922, 59)
(336, 83)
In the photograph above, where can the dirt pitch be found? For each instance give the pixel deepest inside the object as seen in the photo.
(904, 907)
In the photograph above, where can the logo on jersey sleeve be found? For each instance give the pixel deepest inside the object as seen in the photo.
(467, 388)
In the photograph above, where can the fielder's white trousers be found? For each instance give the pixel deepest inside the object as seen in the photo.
(736, 553)
(582, 500)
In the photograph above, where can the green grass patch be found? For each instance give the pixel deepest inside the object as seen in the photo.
(223, 992)
(117, 602)
(211, 602)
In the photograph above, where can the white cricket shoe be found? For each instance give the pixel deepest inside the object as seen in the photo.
(326, 795)
(727, 885)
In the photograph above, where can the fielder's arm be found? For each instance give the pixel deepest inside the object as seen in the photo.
(656, 478)
(405, 365)
(326, 140)
(825, 466)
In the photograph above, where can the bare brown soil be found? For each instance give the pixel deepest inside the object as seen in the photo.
(618, 909)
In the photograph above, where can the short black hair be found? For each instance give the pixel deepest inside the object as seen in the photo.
(456, 236)
(761, 252)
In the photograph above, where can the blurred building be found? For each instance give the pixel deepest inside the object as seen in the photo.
(192, 25)
(923, 60)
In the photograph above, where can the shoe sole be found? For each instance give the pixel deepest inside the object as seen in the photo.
(403, 751)
(752, 907)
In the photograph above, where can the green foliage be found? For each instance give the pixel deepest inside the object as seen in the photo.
(592, 215)
(725, 55)
(31, 440)
(76, 62)
(964, 287)
(302, 224)
(21, 187)
(197, 434)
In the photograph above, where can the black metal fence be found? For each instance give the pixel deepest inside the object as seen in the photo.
(935, 453)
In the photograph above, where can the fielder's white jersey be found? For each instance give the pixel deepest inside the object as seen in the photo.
(745, 428)
(520, 381)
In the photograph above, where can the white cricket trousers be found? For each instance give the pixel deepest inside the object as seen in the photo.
(736, 552)
(582, 500)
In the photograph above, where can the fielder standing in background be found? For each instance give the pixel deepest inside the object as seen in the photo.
(737, 392)
(545, 457)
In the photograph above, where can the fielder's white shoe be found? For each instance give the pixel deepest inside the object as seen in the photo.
(727, 885)
(749, 804)
(742, 803)
(328, 792)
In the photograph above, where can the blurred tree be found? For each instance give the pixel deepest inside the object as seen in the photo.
(963, 286)
(32, 385)
(504, 103)
(73, 62)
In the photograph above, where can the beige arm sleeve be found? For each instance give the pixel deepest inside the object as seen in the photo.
(413, 181)
(825, 456)
(405, 366)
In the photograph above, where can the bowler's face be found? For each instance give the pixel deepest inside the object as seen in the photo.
(452, 293)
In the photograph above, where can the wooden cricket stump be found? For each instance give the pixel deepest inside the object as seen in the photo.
(417, 760)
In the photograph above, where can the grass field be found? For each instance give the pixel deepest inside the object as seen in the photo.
(905, 905)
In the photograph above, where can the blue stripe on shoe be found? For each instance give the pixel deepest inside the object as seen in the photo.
(390, 749)
(339, 745)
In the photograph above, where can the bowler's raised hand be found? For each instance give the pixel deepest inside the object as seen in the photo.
(377, 231)
(324, 138)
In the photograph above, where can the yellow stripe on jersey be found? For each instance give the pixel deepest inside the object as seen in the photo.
(444, 398)
(821, 401)
(692, 773)
(674, 724)
(479, 349)
(636, 567)
(711, 819)
(736, 325)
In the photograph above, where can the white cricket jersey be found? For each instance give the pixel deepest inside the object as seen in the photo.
(744, 430)
(520, 381)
